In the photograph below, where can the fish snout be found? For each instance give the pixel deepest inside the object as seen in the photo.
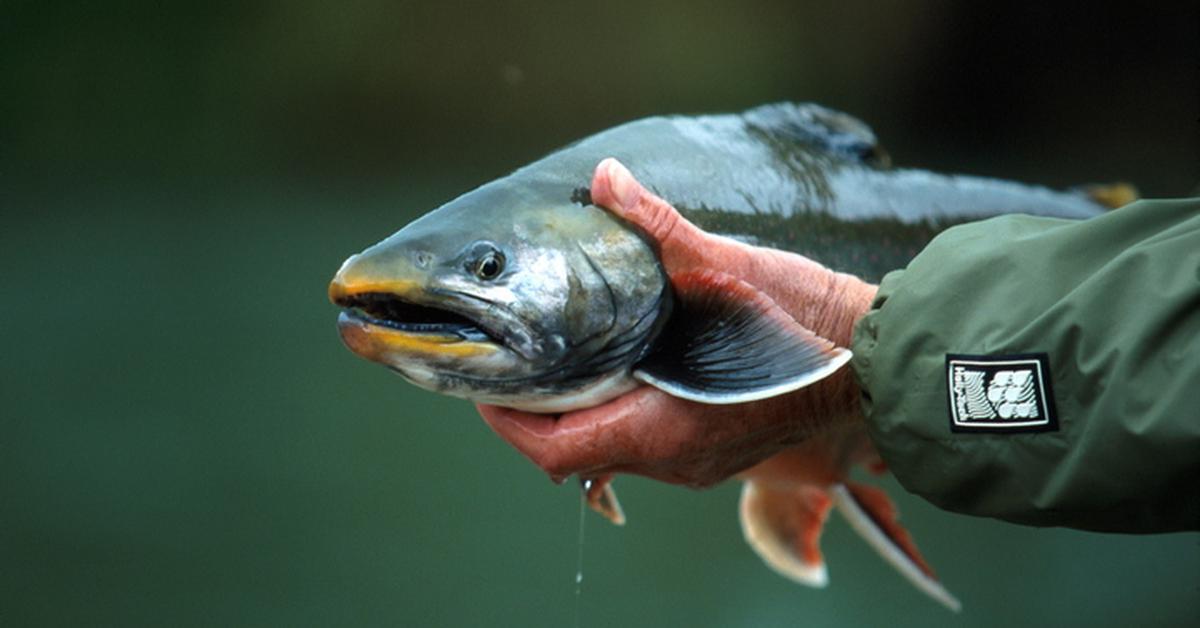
(364, 273)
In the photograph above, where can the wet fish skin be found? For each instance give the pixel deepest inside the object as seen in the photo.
(797, 177)
(583, 298)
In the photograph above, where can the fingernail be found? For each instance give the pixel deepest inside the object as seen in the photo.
(625, 189)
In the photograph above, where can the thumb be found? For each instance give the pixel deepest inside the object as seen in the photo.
(615, 189)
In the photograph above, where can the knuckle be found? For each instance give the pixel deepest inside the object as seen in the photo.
(660, 220)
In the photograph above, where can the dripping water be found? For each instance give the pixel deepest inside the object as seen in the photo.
(587, 485)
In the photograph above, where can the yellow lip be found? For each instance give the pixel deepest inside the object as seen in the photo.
(344, 286)
(383, 344)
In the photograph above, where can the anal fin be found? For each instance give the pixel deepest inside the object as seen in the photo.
(784, 528)
(871, 513)
(727, 342)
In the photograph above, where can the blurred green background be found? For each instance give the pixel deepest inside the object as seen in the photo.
(184, 441)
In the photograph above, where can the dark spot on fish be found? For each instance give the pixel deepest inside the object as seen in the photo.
(582, 196)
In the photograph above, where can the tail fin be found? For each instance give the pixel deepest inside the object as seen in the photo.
(872, 514)
(784, 527)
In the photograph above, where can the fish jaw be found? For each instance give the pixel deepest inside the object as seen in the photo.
(549, 400)
(436, 361)
(384, 344)
(433, 339)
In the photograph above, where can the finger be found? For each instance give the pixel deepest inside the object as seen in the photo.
(643, 432)
(615, 189)
(561, 446)
(526, 432)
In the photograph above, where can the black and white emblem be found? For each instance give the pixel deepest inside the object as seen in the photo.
(1009, 393)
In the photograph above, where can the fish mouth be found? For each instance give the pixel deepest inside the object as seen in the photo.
(393, 312)
(385, 323)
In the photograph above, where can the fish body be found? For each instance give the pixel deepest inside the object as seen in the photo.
(522, 293)
(581, 298)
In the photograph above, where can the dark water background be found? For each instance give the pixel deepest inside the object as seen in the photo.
(183, 440)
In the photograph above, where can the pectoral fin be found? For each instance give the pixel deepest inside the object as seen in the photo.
(784, 528)
(727, 342)
(872, 514)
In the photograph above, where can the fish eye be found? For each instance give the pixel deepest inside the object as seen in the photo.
(489, 265)
(485, 260)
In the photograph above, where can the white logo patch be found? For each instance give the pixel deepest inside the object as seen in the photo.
(1000, 393)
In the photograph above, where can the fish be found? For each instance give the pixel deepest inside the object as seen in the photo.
(523, 293)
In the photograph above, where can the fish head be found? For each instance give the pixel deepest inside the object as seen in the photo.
(507, 295)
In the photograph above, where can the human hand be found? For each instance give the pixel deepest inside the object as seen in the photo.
(648, 432)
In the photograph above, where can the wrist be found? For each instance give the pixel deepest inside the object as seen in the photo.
(847, 299)
(826, 302)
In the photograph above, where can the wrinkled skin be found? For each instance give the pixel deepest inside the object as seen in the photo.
(647, 432)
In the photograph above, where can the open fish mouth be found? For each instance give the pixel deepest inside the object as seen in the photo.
(390, 311)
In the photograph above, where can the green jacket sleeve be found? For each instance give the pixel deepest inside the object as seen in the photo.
(1101, 317)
